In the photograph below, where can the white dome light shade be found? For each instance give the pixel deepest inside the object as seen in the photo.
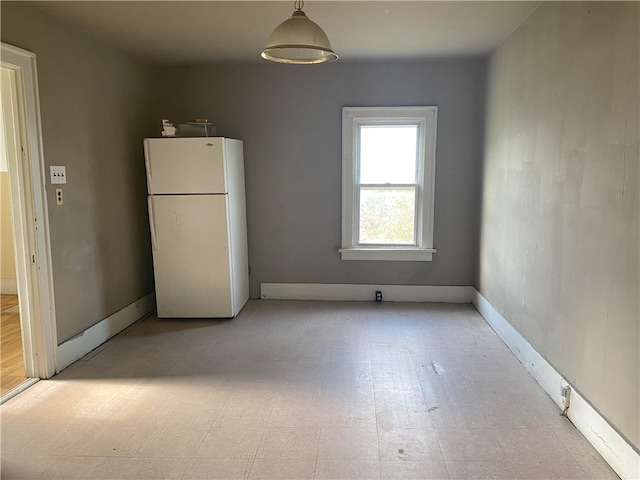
(300, 41)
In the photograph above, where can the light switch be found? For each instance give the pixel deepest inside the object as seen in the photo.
(58, 174)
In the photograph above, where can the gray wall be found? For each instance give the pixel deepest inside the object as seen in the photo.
(290, 120)
(94, 104)
(559, 241)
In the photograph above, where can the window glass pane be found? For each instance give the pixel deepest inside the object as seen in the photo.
(387, 215)
(388, 153)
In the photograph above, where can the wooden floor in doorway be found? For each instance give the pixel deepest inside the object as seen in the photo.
(11, 355)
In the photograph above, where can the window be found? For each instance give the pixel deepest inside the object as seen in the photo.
(388, 167)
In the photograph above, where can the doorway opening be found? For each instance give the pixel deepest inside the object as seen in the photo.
(12, 373)
(29, 311)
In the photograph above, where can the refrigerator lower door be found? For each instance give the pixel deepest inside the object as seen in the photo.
(191, 256)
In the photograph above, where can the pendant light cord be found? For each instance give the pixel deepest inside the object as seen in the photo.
(298, 4)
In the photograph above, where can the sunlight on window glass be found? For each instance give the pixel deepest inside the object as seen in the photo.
(387, 216)
(388, 154)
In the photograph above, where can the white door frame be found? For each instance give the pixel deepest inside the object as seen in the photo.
(30, 216)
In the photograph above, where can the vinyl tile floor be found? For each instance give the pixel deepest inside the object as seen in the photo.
(297, 390)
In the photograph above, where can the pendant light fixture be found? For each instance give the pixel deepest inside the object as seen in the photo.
(299, 41)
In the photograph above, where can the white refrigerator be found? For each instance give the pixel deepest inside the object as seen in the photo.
(197, 217)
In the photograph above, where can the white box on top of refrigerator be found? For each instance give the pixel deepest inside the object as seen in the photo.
(197, 217)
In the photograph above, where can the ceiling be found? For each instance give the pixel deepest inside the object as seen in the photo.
(197, 32)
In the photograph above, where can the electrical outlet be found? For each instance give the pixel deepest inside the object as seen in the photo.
(565, 393)
(59, 197)
(378, 296)
(58, 174)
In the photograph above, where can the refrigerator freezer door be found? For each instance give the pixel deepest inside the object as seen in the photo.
(185, 165)
(191, 256)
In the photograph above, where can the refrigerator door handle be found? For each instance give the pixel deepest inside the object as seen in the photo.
(148, 165)
(152, 223)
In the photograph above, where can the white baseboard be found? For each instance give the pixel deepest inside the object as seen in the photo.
(538, 367)
(78, 346)
(9, 286)
(607, 441)
(365, 293)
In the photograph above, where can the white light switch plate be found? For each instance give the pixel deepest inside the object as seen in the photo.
(58, 174)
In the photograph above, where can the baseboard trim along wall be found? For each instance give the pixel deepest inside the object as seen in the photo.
(78, 346)
(610, 444)
(9, 286)
(365, 293)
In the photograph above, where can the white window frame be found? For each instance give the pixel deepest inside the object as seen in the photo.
(426, 119)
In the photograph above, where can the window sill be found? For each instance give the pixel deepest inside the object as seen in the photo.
(393, 254)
